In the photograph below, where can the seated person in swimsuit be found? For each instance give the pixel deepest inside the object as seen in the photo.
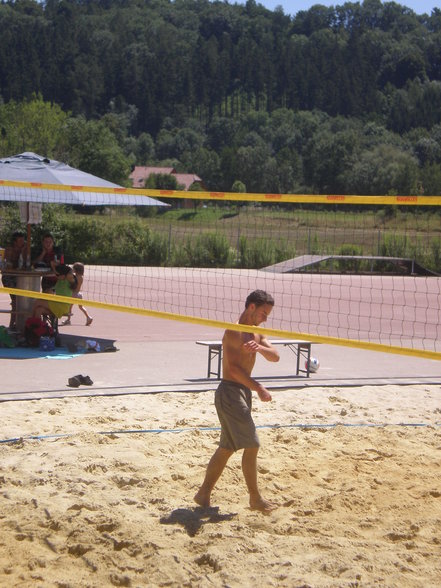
(66, 284)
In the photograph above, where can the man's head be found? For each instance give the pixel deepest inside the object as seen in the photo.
(258, 307)
(259, 297)
(18, 238)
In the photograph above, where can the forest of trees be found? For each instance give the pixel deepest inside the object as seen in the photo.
(345, 99)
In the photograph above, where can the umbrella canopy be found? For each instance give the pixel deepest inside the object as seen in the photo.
(35, 169)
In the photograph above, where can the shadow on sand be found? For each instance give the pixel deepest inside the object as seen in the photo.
(192, 519)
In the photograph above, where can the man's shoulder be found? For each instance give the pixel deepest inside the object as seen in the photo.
(231, 336)
(232, 333)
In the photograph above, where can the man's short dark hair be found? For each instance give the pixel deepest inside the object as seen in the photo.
(259, 297)
(17, 235)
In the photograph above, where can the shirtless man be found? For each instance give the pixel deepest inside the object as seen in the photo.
(233, 401)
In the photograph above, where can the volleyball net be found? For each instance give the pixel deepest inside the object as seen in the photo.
(346, 270)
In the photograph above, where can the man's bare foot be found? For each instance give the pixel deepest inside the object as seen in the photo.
(202, 499)
(262, 505)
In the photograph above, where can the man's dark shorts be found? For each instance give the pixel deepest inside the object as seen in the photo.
(233, 405)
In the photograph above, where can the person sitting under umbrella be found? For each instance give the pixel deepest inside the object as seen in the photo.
(13, 252)
(66, 284)
(48, 258)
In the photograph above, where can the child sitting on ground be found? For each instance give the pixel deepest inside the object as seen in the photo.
(78, 269)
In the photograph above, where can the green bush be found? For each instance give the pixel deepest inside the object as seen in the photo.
(208, 250)
(179, 256)
(354, 265)
(95, 240)
(9, 222)
(261, 253)
(81, 238)
(434, 263)
(132, 243)
(394, 245)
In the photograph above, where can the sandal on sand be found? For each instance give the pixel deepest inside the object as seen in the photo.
(74, 382)
(86, 380)
(89, 321)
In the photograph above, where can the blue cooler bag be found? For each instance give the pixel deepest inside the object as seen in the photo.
(47, 343)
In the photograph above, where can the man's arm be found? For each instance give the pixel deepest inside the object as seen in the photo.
(265, 348)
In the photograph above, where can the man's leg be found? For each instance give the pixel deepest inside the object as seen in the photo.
(249, 468)
(215, 468)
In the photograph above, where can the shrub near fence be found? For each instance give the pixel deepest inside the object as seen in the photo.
(245, 237)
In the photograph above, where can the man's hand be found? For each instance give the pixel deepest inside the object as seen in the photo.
(251, 346)
(263, 393)
(264, 347)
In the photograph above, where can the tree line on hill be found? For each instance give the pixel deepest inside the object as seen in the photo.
(344, 99)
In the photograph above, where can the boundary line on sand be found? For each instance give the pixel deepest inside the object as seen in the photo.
(187, 429)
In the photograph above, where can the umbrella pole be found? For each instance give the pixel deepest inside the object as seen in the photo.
(28, 239)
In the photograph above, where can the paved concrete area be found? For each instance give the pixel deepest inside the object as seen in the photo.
(156, 355)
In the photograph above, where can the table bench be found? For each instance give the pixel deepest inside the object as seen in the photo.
(301, 349)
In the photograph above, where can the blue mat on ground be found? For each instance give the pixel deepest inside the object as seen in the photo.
(36, 353)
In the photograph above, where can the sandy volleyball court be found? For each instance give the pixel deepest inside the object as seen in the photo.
(359, 505)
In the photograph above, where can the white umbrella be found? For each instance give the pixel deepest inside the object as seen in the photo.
(76, 187)
(35, 169)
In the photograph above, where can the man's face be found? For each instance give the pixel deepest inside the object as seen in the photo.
(260, 313)
(20, 242)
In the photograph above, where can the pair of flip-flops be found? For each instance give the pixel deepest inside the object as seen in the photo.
(76, 381)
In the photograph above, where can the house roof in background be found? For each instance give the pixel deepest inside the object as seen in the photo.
(187, 180)
(141, 173)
